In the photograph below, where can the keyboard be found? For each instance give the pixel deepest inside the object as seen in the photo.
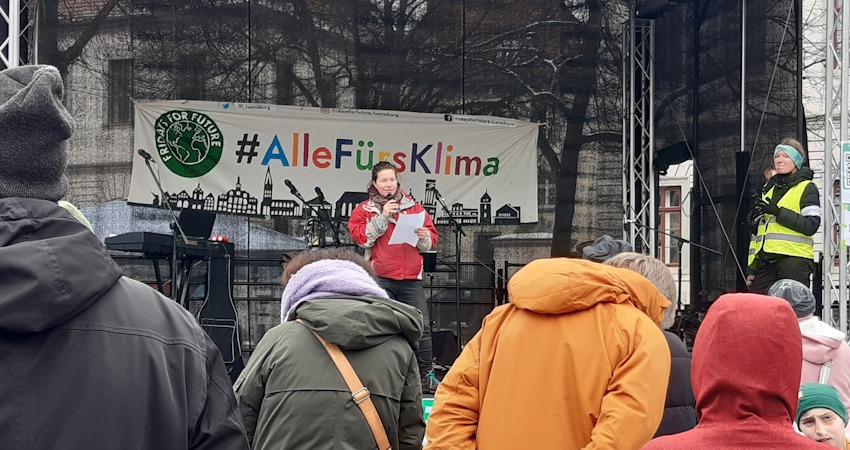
(160, 245)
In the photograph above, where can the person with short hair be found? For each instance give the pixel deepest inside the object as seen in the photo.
(787, 216)
(768, 173)
(826, 355)
(680, 406)
(291, 393)
(90, 358)
(821, 416)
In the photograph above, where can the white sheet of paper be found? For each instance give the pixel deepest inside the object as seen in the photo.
(405, 229)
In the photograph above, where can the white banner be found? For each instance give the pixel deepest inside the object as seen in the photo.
(239, 158)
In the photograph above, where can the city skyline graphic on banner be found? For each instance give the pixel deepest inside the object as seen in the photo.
(239, 201)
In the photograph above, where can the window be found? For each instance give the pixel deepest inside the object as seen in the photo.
(191, 77)
(120, 79)
(545, 193)
(671, 223)
(284, 84)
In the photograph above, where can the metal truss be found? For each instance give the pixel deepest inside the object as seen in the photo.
(836, 121)
(18, 21)
(640, 212)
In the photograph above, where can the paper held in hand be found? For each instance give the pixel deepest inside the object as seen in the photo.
(405, 229)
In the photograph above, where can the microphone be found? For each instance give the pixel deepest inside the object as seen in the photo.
(389, 198)
(754, 194)
(319, 193)
(144, 154)
(291, 187)
(436, 192)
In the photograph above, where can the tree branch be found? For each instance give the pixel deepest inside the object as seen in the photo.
(74, 51)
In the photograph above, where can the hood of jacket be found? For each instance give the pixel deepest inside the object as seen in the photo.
(566, 285)
(746, 361)
(357, 323)
(820, 341)
(51, 266)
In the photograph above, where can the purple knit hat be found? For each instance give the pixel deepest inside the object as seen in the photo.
(328, 278)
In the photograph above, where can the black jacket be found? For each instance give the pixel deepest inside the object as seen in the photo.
(94, 360)
(680, 408)
(805, 224)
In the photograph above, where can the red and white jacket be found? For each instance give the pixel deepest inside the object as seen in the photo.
(372, 230)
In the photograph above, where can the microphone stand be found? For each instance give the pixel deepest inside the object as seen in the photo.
(458, 230)
(175, 227)
(321, 215)
(680, 241)
(325, 220)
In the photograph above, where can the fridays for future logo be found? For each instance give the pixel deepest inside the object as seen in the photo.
(189, 143)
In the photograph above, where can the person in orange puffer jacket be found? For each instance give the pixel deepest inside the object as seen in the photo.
(576, 360)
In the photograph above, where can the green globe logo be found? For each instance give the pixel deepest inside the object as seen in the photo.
(188, 142)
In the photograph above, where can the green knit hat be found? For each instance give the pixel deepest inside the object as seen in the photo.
(815, 395)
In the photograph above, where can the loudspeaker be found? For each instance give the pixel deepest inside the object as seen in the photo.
(429, 261)
(444, 344)
(196, 224)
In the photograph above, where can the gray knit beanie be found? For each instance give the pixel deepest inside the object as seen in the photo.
(34, 126)
(797, 294)
(605, 247)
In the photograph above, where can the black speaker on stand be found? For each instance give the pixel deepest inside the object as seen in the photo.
(444, 343)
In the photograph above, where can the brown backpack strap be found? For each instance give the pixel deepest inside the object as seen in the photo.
(359, 392)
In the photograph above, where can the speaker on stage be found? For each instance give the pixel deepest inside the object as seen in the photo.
(429, 261)
(444, 347)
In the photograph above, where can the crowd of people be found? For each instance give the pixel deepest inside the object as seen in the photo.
(580, 358)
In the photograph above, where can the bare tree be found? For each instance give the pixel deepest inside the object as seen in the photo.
(51, 20)
(558, 67)
(553, 64)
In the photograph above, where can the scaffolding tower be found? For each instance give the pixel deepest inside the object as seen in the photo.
(18, 21)
(639, 175)
(835, 208)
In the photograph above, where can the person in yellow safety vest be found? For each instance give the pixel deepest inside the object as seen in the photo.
(786, 215)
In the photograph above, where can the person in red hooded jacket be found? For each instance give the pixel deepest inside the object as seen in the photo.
(398, 267)
(746, 377)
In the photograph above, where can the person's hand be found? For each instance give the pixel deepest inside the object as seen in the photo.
(390, 208)
(422, 232)
(763, 207)
(750, 279)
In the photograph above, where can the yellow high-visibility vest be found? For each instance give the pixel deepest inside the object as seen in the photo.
(778, 239)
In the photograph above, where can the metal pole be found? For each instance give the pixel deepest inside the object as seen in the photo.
(12, 16)
(829, 244)
(628, 63)
(843, 102)
(631, 201)
(696, 197)
(649, 159)
(743, 75)
(457, 288)
(801, 114)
